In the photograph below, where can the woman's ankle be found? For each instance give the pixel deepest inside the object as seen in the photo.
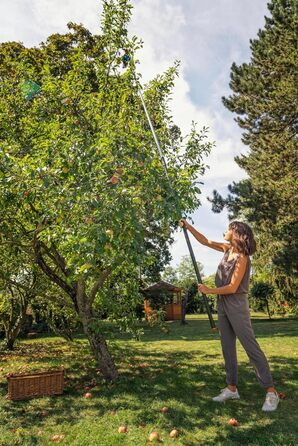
(271, 389)
(232, 387)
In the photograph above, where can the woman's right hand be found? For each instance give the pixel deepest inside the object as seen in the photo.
(183, 222)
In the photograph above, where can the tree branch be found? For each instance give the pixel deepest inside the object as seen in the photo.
(98, 284)
(70, 290)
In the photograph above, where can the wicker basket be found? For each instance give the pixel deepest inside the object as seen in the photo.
(24, 386)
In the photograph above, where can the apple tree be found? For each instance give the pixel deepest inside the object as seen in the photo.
(80, 178)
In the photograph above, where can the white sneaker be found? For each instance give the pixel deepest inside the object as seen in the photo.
(271, 402)
(226, 394)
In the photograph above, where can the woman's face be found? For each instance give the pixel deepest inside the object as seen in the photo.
(228, 235)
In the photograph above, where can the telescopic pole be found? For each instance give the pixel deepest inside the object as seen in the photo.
(211, 320)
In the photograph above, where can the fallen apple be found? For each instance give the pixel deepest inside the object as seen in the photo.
(57, 437)
(165, 409)
(119, 170)
(281, 396)
(87, 388)
(233, 422)
(88, 395)
(114, 179)
(154, 436)
(122, 429)
(89, 220)
(174, 433)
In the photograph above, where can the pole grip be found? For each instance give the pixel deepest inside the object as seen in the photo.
(211, 320)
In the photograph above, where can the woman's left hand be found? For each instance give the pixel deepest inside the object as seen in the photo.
(203, 288)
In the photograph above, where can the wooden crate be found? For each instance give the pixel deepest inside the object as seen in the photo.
(24, 386)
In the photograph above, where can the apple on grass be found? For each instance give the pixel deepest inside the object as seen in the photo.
(114, 179)
(174, 433)
(154, 436)
(122, 429)
(233, 422)
(119, 171)
(57, 437)
(88, 395)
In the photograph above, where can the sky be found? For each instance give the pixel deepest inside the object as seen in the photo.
(207, 37)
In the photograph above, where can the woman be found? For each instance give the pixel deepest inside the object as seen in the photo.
(232, 278)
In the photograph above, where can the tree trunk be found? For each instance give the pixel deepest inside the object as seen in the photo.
(100, 350)
(268, 311)
(97, 342)
(183, 308)
(13, 328)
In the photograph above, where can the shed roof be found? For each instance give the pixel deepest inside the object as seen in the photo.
(163, 286)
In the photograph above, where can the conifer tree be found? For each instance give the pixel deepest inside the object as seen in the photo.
(264, 98)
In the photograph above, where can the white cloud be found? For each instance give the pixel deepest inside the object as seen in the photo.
(193, 37)
(31, 21)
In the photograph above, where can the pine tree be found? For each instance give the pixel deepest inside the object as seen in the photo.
(264, 99)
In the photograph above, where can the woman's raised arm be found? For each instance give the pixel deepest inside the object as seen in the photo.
(218, 246)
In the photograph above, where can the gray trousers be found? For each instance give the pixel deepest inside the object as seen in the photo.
(234, 321)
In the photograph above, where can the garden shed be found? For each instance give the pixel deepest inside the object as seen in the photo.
(168, 296)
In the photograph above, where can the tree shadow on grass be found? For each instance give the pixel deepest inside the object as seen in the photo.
(199, 330)
(149, 380)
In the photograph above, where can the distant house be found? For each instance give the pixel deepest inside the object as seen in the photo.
(173, 306)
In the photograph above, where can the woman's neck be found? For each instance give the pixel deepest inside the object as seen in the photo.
(233, 249)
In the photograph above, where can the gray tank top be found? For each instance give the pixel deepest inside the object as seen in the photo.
(225, 271)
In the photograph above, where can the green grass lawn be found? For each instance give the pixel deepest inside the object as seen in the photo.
(182, 370)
